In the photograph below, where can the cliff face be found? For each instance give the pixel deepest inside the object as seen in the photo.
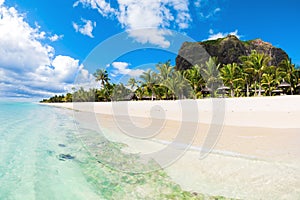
(227, 50)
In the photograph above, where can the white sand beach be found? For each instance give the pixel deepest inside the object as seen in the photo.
(254, 142)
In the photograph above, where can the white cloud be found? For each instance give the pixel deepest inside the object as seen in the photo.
(28, 67)
(121, 68)
(197, 3)
(153, 36)
(102, 6)
(86, 28)
(55, 37)
(217, 10)
(65, 68)
(214, 36)
(210, 14)
(1, 2)
(158, 15)
(206, 9)
(20, 47)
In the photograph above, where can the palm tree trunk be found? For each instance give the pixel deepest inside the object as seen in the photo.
(247, 90)
(231, 90)
(152, 94)
(255, 89)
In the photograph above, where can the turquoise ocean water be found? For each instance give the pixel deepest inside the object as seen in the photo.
(42, 157)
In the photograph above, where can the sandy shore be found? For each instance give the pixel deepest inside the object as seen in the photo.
(254, 142)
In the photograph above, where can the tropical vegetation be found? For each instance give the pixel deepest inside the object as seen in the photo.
(253, 76)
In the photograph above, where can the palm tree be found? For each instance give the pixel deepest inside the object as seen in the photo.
(84, 96)
(287, 72)
(165, 71)
(139, 92)
(230, 74)
(102, 76)
(193, 76)
(132, 83)
(69, 97)
(268, 82)
(120, 92)
(247, 74)
(255, 64)
(270, 79)
(210, 73)
(178, 85)
(149, 78)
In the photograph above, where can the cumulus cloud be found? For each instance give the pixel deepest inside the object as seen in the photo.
(134, 15)
(214, 36)
(102, 6)
(86, 28)
(20, 47)
(55, 37)
(122, 68)
(28, 67)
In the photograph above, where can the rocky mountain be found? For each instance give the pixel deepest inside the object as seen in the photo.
(227, 50)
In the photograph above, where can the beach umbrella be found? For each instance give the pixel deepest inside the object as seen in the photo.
(284, 84)
(277, 92)
(206, 90)
(224, 88)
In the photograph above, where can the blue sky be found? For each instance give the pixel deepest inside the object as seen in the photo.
(48, 46)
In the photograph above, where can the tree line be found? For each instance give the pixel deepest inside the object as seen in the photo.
(253, 76)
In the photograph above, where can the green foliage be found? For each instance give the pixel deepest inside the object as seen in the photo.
(231, 75)
(102, 76)
(121, 93)
(253, 76)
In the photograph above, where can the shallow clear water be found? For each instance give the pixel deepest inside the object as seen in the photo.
(42, 156)
(31, 139)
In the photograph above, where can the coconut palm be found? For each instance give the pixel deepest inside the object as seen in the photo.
(230, 74)
(210, 73)
(288, 72)
(270, 79)
(132, 83)
(120, 92)
(84, 96)
(149, 79)
(255, 64)
(176, 84)
(165, 71)
(268, 83)
(247, 74)
(102, 76)
(193, 76)
(139, 92)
